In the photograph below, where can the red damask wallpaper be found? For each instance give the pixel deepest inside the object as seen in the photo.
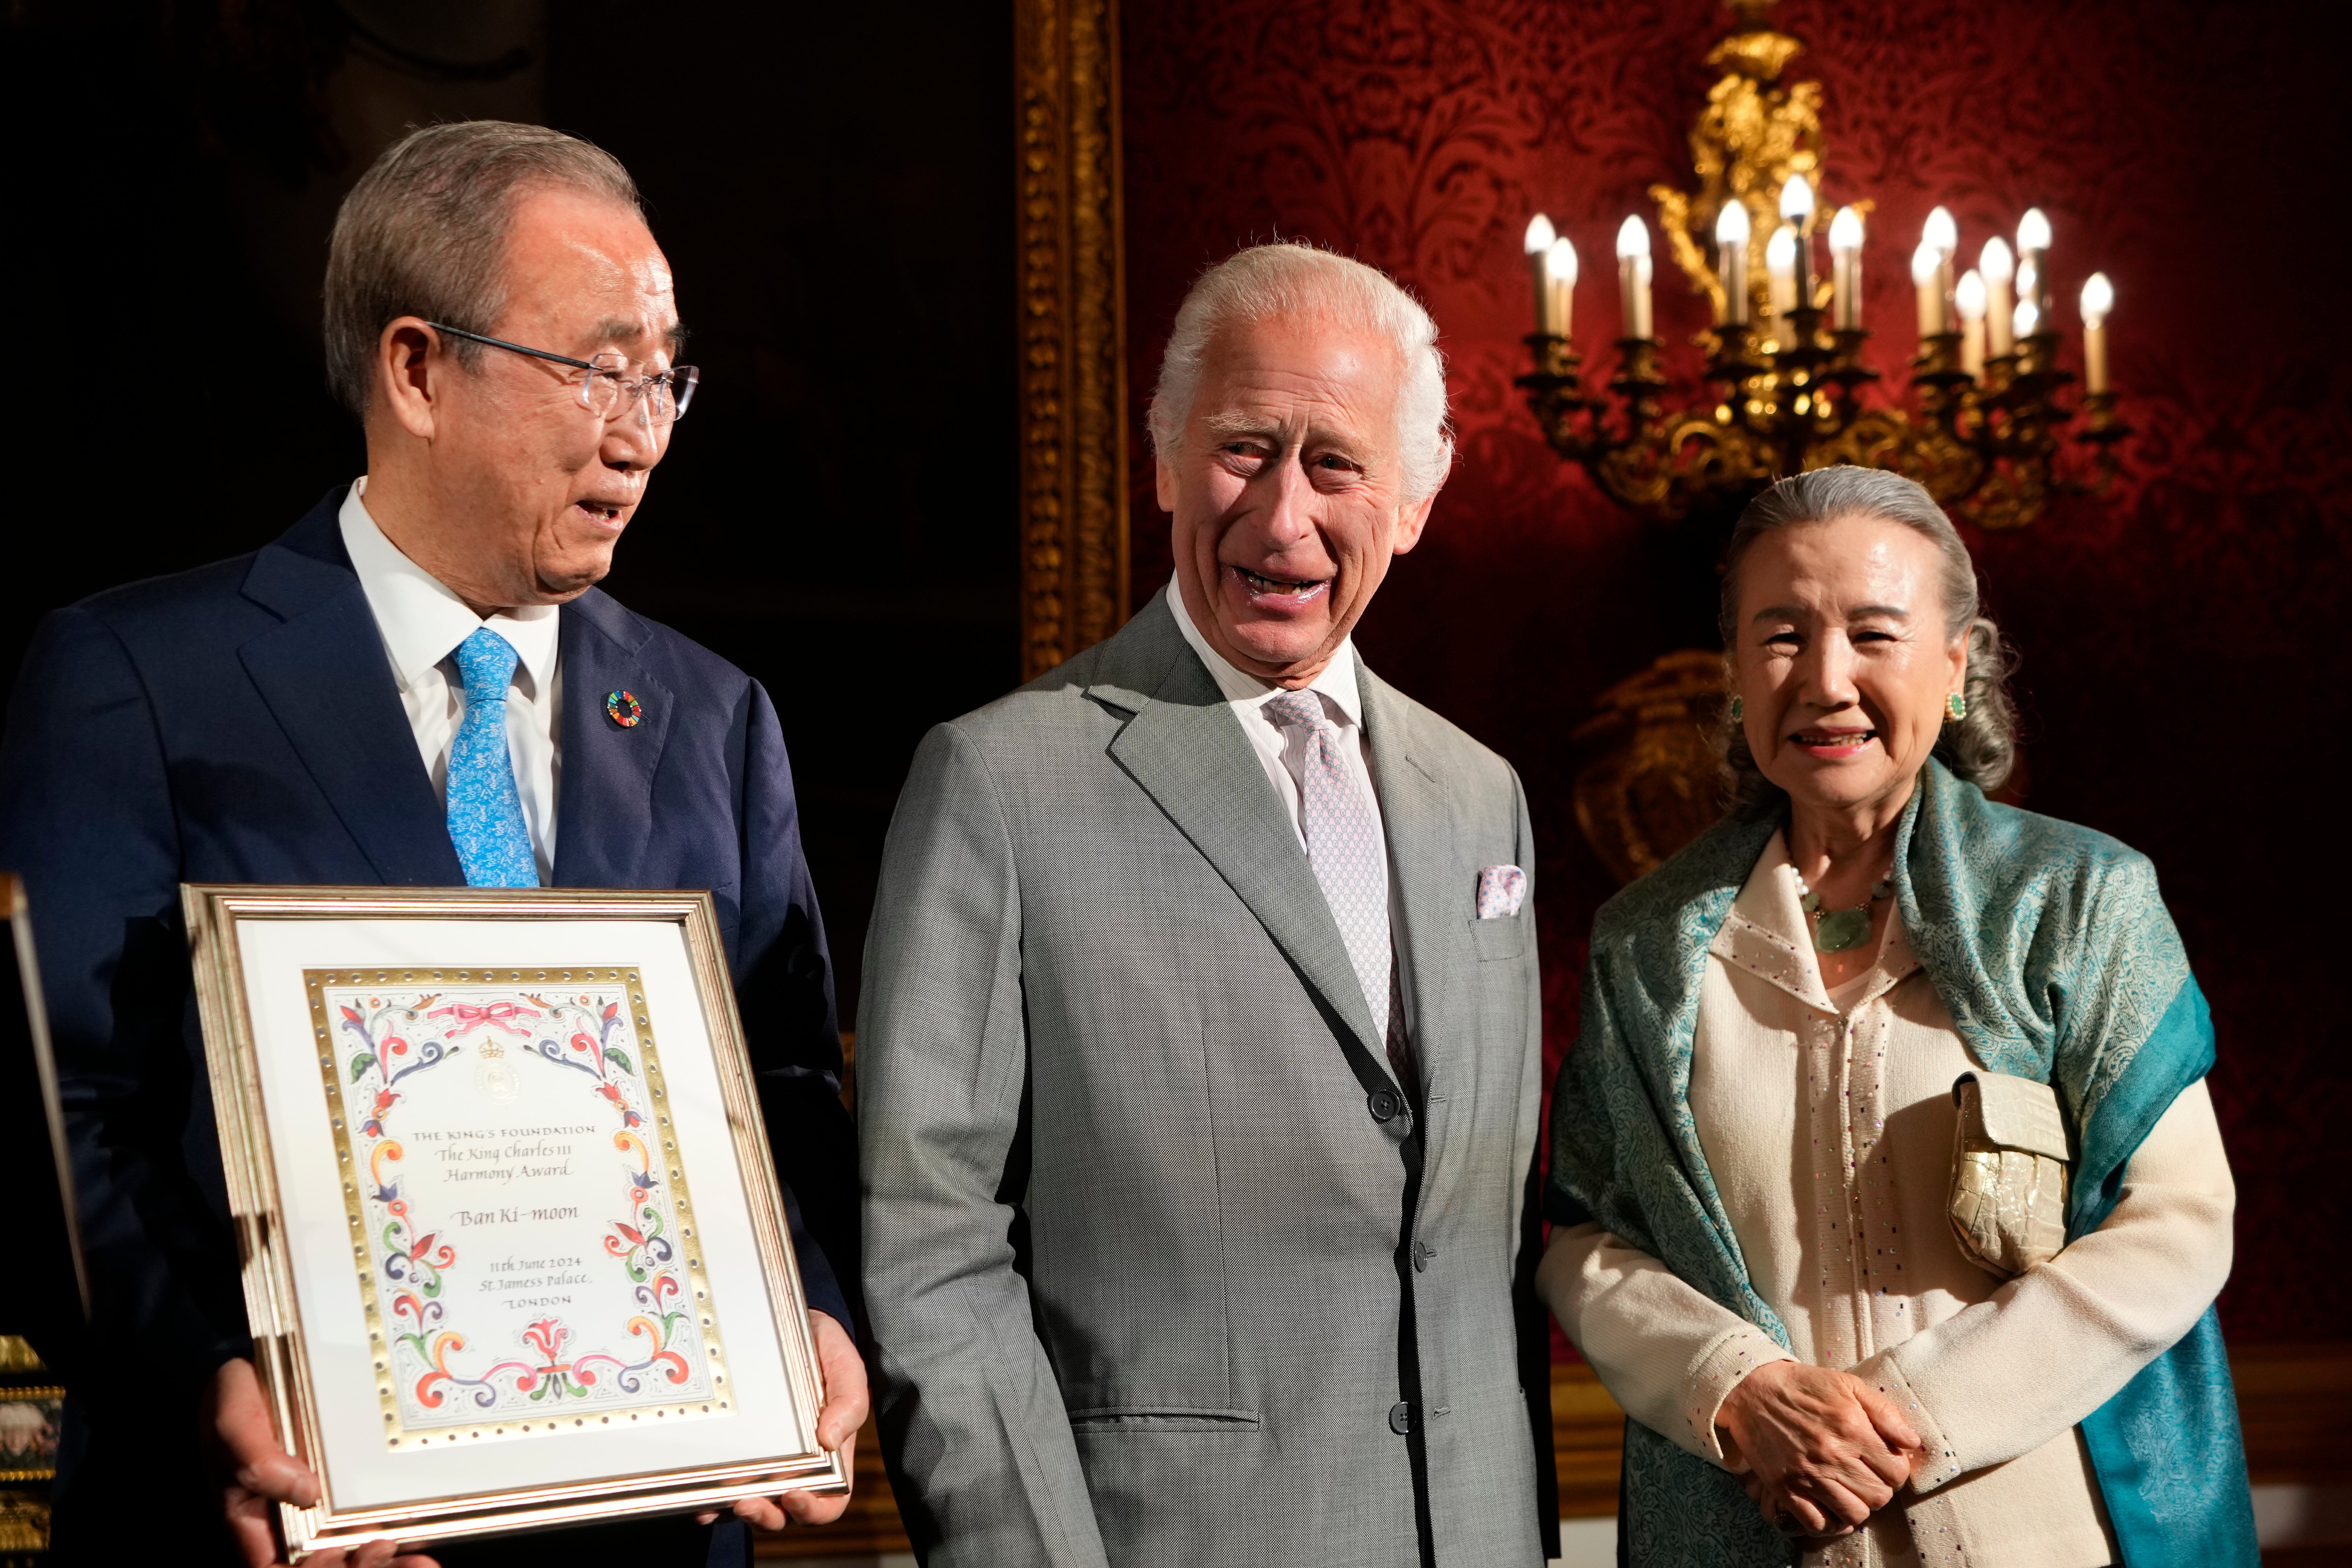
(2184, 675)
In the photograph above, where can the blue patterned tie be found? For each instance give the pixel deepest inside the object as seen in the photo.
(486, 821)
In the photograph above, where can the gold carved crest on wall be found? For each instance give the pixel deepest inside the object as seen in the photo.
(1650, 786)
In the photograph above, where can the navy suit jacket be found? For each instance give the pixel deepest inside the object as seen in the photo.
(240, 723)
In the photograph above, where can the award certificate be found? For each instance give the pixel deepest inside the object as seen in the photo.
(515, 1254)
(526, 1268)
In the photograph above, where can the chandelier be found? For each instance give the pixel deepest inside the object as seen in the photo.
(1785, 389)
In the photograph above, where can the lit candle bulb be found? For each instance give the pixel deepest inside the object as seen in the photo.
(2000, 269)
(1943, 235)
(2032, 250)
(1925, 268)
(1560, 278)
(1846, 270)
(1781, 277)
(1970, 298)
(2098, 299)
(1796, 200)
(2026, 320)
(1540, 235)
(1797, 207)
(1634, 276)
(1731, 232)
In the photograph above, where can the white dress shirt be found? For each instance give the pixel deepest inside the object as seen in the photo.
(1283, 751)
(421, 623)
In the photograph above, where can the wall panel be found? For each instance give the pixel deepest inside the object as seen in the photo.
(2178, 634)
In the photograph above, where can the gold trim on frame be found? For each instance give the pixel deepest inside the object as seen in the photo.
(34, 1395)
(232, 1063)
(1074, 555)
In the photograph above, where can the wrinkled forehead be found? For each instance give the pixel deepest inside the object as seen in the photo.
(1842, 565)
(587, 268)
(1292, 371)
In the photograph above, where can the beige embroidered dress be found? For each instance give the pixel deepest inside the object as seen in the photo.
(1827, 1120)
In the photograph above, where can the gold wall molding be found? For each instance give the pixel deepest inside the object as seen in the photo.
(1074, 561)
(1588, 1442)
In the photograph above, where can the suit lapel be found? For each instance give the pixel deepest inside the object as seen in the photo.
(1186, 750)
(325, 678)
(604, 816)
(1430, 897)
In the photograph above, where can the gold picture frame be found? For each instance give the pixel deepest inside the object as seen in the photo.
(331, 1019)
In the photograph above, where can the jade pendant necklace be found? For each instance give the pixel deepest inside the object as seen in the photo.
(1836, 931)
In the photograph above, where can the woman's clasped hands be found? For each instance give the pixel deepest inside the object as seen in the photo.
(1819, 1450)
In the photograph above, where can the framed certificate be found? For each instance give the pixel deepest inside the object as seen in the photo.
(515, 1256)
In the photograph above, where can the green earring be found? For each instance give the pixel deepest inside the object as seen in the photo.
(1956, 706)
(1738, 709)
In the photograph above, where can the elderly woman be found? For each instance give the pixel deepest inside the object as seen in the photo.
(1886, 1187)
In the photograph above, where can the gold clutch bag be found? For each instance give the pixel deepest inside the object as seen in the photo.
(2009, 1172)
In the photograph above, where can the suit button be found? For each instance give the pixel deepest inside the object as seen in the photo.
(1385, 1103)
(1422, 1253)
(1400, 1418)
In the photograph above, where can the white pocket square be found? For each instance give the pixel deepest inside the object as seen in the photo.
(1501, 890)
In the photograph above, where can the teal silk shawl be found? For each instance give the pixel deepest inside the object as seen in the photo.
(2057, 961)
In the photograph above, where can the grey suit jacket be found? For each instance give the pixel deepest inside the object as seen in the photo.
(1159, 1260)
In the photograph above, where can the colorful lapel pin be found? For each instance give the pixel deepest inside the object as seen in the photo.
(626, 709)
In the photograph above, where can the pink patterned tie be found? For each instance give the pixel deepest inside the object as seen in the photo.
(1349, 860)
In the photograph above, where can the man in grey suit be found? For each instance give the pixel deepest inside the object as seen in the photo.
(1198, 1103)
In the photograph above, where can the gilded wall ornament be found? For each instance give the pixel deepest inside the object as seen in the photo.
(1074, 561)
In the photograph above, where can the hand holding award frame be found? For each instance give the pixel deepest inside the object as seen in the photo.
(514, 1251)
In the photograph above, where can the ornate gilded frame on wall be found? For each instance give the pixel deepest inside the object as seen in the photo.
(323, 1208)
(1074, 559)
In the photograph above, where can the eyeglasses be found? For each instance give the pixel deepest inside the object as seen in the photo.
(608, 389)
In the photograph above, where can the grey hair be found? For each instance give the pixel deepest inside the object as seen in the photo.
(1980, 748)
(1287, 279)
(424, 231)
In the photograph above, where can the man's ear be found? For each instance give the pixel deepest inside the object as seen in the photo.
(408, 357)
(1163, 483)
(1410, 523)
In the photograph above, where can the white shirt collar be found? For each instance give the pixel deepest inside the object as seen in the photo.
(421, 621)
(1769, 934)
(1337, 684)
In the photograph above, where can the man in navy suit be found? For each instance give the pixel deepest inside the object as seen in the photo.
(416, 685)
